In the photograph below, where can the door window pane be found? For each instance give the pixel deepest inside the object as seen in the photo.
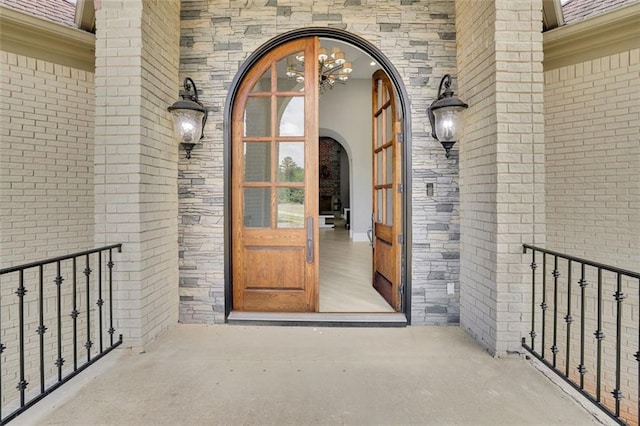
(379, 132)
(257, 207)
(388, 124)
(291, 116)
(290, 208)
(380, 197)
(389, 218)
(263, 84)
(290, 161)
(389, 160)
(379, 90)
(257, 117)
(379, 168)
(257, 162)
(291, 73)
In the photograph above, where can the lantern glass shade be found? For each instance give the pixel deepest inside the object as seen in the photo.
(447, 123)
(187, 124)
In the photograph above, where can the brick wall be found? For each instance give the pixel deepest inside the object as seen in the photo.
(46, 204)
(136, 159)
(501, 164)
(46, 159)
(592, 123)
(418, 38)
(330, 159)
(593, 159)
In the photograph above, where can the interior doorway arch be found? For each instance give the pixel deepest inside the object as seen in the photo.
(405, 138)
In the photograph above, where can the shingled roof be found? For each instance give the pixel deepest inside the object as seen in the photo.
(577, 10)
(60, 11)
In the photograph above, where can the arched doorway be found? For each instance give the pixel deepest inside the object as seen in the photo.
(271, 221)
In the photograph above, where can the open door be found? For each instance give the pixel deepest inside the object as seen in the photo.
(387, 193)
(275, 184)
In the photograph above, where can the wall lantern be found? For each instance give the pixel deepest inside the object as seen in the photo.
(444, 115)
(189, 117)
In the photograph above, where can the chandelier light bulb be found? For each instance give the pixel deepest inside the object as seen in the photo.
(332, 68)
(322, 54)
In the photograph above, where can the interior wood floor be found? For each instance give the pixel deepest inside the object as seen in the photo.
(345, 274)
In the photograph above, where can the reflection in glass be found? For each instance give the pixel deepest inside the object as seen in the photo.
(257, 207)
(263, 84)
(290, 208)
(290, 161)
(257, 117)
(380, 89)
(292, 118)
(380, 168)
(291, 73)
(379, 196)
(257, 162)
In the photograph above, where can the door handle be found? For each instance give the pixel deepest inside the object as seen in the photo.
(310, 239)
(371, 232)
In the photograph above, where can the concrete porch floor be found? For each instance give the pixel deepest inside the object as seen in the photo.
(245, 375)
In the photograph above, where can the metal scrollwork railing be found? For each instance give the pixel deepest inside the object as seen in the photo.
(592, 339)
(49, 318)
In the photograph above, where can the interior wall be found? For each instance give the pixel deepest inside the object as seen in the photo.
(352, 121)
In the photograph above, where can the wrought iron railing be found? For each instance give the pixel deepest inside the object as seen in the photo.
(51, 296)
(601, 358)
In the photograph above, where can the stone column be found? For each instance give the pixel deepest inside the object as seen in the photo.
(499, 55)
(136, 156)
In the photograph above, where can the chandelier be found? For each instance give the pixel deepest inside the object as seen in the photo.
(332, 68)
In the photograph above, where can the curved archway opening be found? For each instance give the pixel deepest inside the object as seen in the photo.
(402, 102)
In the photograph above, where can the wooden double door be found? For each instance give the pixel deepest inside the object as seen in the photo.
(275, 184)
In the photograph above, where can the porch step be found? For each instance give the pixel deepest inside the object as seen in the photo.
(319, 319)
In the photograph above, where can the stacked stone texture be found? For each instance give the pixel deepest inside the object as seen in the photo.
(417, 37)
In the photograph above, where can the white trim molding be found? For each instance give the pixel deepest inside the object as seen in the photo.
(38, 38)
(603, 35)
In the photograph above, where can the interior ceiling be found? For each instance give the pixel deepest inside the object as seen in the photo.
(362, 67)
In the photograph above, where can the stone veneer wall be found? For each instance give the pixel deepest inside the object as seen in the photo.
(501, 165)
(417, 37)
(137, 44)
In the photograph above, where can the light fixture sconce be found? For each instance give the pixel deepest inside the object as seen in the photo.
(444, 115)
(189, 117)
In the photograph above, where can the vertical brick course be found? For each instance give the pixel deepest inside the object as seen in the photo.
(501, 164)
(136, 157)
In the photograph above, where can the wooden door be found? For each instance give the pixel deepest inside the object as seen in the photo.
(275, 184)
(387, 192)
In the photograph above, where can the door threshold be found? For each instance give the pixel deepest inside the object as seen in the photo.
(319, 319)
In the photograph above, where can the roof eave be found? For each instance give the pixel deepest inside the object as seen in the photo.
(605, 34)
(39, 38)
